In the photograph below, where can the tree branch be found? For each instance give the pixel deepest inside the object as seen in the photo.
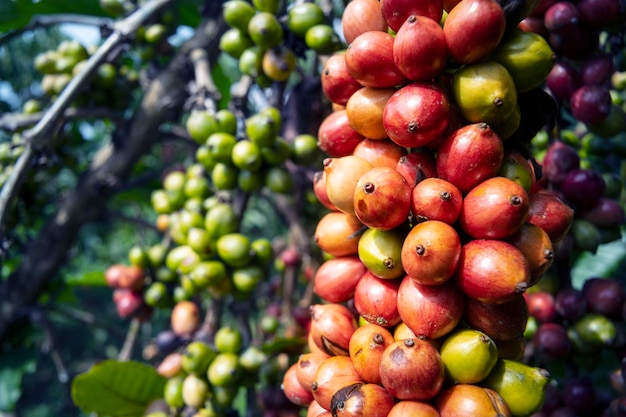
(16, 121)
(90, 319)
(44, 131)
(41, 21)
(129, 343)
(110, 168)
(207, 93)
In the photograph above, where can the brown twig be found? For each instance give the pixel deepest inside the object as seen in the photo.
(212, 320)
(207, 93)
(16, 121)
(239, 95)
(90, 319)
(129, 343)
(49, 345)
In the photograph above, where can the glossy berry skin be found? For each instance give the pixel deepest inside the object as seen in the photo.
(551, 339)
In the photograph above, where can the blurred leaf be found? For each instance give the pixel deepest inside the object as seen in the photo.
(13, 366)
(609, 260)
(223, 84)
(14, 15)
(90, 279)
(117, 389)
(10, 16)
(282, 344)
(187, 11)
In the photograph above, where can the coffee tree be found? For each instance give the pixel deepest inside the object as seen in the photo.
(375, 208)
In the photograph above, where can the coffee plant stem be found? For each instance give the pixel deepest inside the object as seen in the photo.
(131, 337)
(49, 345)
(90, 319)
(212, 319)
(207, 93)
(239, 96)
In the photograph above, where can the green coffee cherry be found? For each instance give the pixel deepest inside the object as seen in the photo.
(174, 181)
(234, 42)
(203, 156)
(200, 125)
(156, 254)
(265, 30)
(234, 249)
(200, 241)
(173, 392)
(224, 370)
(279, 180)
(221, 220)
(157, 295)
(276, 153)
(247, 278)
(270, 6)
(138, 256)
(237, 13)
(208, 273)
(228, 339)
(251, 61)
(221, 146)
(195, 391)
(224, 176)
(190, 219)
(302, 17)
(262, 129)
(596, 329)
(197, 358)
(155, 33)
(252, 358)
(263, 251)
(247, 155)
(223, 396)
(197, 187)
(304, 149)
(226, 121)
(249, 181)
(322, 38)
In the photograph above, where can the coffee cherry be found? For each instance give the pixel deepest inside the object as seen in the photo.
(197, 358)
(228, 339)
(224, 370)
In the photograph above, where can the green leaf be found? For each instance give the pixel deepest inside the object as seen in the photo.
(223, 84)
(609, 260)
(13, 366)
(9, 15)
(281, 344)
(89, 279)
(16, 14)
(117, 389)
(187, 11)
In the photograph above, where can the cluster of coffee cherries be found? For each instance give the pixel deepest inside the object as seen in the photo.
(437, 224)
(595, 197)
(583, 328)
(266, 40)
(587, 37)
(251, 159)
(204, 376)
(111, 85)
